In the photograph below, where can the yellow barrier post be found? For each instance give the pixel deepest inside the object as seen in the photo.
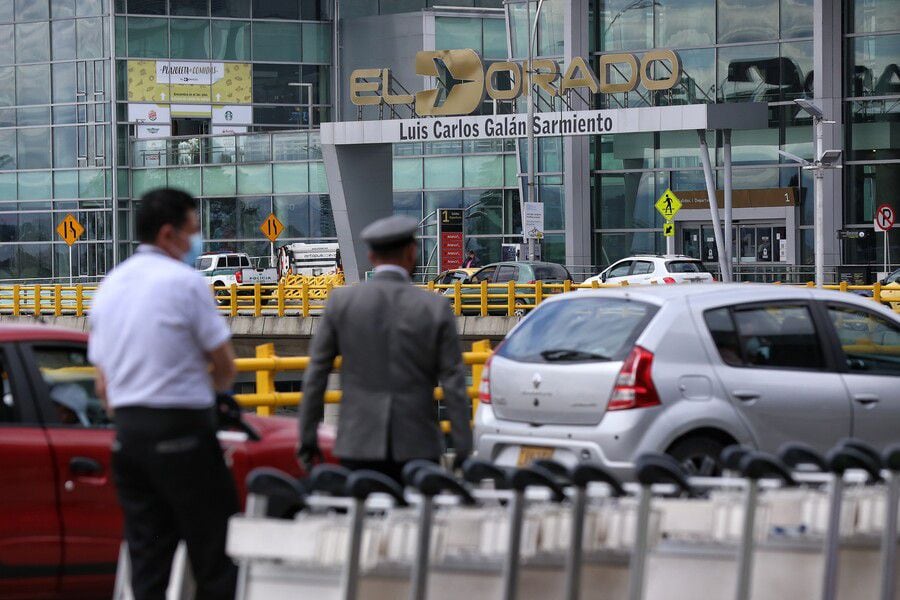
(567, 285)
(57, 300)
(17, 307)
(79, 300)
(430, 286)
(37, 300)
(595, 284)
(510, 298)
(257, 299)
(457, 297)
(477, 370)
(265, 379)
(281, 297)
(232, 299)
(843, 286)
(538, 294)
(304, 297)
(876, 292)
(810, 284)
(484, 297)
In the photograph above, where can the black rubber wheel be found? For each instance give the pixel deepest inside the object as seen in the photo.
(220, 291)
(699, 456)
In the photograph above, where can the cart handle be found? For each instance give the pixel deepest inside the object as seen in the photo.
(861, 446)
(475, 471)
(759, 465)
(557, 469)
(535, 476)
(794, 454)
(363, 483)
(891, 457)
(731, 456)
(841, 459)
(661, 468)
(330, 479)
(433, 481)
(412, 468)
(585, 473)
(284, 495)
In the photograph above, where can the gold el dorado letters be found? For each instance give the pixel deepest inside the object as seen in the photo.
(234, 87)
(373, 86)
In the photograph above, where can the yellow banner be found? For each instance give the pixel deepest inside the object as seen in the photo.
(189, 82)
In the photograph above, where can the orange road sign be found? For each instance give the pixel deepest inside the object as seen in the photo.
(271, 227)
(70, 230)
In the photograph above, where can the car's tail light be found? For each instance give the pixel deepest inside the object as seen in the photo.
(532, 282)
(668, 280)
(634, 386)
(484, 387)
(238, 276)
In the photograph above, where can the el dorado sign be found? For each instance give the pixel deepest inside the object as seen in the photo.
(470, 81)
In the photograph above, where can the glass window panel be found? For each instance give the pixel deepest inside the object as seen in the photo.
(62, 9)
(63, 39)
(219, 181)
(873, 68)
(484, 212)
(32, 10)
(6, 11)
(147, 7)
(549, 154)
(254, 179)
(698, 79)
(8, 186)
(35, 185)
(89, 8)
(797, 70)
(251, 213)
(680, 149)
(219, 219)
(280, 115)
(276, 41)
(610, 247)
(65, 184)
(32, 42)
(757, 146)
(796, 18)
(147, 38)
(90, 38)
(65, 149)
(550, 38)
(519, 23)
(447, 199)
(626, 151)
(144, 180)
(749, 73)
(35, 227)
(230, 8)
(754, 179)
(872, 124)
(511, 176)
(92, 183)
(798, 132)
(626, 25)
(409, 204)
(317, 42)
(293, 212)
(35, 261)
(318, 183)
(685, 23)
(189, 8)
(290, 146)
(186, 179)
(275, 9)
(190, 38)
(121, 29)
(626, 201)
(33, 149)
(321, 217)
(483, 171)
(39, 115)
(318, 76)
(291, 178)
(7, 44)
(747, 21)
(7, 148)
(873, 15)
(7, 86)
(456, 32)
(253, 148)
(407, 173)
(554, 206)
(443, 172)
(270, 83)
(868, 187)
(231, 40)
(7, 117)
(494, 39)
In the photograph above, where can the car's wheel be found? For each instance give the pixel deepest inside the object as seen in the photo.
(220, 291)
(699, 455)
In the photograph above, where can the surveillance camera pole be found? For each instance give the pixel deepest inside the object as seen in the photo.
(530, 98)
(819, 215)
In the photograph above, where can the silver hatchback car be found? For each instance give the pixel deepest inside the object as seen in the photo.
(607, 375)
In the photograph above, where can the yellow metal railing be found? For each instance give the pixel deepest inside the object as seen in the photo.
(306, 296)
(266, 364)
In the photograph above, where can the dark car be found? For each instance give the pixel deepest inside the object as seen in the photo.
(61, 525)
(522, 273)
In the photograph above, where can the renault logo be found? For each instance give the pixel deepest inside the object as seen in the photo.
(536, 380)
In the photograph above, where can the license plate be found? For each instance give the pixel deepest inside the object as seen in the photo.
(529, 454)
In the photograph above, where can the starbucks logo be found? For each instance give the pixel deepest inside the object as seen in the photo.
(229, 115)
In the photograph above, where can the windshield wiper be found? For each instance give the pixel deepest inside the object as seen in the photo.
(562, 354)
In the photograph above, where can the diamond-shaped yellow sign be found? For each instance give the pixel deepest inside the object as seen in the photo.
(70, 229)
(271, 227)
(669, 229)
(668, 205)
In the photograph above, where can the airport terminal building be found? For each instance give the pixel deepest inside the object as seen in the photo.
(246, 105)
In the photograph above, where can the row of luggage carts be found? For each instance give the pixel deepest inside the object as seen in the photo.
(797, 525)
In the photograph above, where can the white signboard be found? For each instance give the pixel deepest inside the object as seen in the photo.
(239, 115)
(533, 220)
(229, 129)
(189, 72)
(147, 132)
(148, 113)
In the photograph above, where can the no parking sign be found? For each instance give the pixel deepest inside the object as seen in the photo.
(885, 217)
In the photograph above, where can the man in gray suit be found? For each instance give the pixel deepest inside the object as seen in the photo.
(397, 343)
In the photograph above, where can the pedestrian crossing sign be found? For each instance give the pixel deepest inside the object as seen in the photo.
(669, 229)
(668, 205)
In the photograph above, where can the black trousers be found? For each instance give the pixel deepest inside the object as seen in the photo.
(173, 485)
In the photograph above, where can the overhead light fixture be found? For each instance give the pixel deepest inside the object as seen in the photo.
(830, 158)
(810, 107)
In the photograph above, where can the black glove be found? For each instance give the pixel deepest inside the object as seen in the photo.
(309, 455)
(459, 459)
(229, 414)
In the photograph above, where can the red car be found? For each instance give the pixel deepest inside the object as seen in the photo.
(60, 524)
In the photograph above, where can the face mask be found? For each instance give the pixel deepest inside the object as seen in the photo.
(194, 251)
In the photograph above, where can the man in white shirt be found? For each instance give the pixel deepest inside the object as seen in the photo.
(162, 352)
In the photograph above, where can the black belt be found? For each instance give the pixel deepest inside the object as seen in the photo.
(155, 423)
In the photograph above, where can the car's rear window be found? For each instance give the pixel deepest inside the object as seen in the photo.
(590, 328)
(685, 266)
(550, 272)
(204, 263)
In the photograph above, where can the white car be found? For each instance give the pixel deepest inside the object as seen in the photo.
(658, 269)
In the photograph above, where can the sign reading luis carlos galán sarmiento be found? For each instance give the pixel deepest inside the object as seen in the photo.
(470, 82)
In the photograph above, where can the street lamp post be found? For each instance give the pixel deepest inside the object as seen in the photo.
(532, 34)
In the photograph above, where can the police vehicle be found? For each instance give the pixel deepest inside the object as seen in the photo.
(223, 269)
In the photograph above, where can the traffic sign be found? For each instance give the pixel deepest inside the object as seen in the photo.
(669, 229)
(668, 205)
(885, 217)
(271, 227)
(70, 230)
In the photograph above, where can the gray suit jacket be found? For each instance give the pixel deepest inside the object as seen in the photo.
(397, 343)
